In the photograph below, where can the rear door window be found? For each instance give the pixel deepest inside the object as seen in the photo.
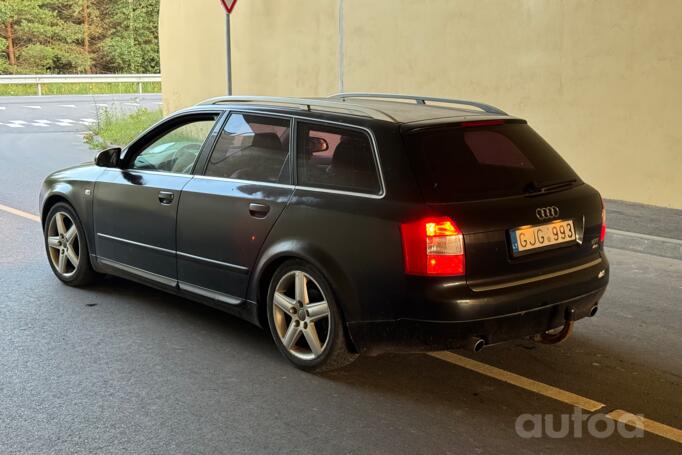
(467, 163)
(336, 158)
(252, 147)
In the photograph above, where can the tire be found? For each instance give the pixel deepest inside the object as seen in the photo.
(296, 319)
(61, 250)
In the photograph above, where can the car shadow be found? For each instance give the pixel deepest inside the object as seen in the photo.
(582, 364)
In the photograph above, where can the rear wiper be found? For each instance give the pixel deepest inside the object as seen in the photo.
(545, 187)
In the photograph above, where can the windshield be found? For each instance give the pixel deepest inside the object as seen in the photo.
(468, 163)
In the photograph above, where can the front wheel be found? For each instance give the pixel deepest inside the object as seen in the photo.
(67, 249)
(305, 320)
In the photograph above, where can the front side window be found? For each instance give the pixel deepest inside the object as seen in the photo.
(252, 147)
(177, 150)
(336, 158)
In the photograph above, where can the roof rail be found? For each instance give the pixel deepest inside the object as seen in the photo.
(420, 100)
(305, 103)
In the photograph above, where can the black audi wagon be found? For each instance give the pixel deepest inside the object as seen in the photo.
(356, 224)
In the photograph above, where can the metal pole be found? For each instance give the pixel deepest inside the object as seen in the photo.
(341, 47)
(228, 43)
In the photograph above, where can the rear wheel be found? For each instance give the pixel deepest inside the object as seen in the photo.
(305, 320)
(66, 247)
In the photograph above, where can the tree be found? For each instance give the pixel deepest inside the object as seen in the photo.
(38, 39)
(68, 36)
(133, 46)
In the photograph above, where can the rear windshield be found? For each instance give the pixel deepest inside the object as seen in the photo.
(469, 163)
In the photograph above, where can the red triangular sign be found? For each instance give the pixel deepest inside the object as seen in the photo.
(228, 5)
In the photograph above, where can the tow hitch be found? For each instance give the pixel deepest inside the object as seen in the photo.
(565, 332)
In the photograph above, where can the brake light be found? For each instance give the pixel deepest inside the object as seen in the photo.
(602, 234)
(481, 123)
(433, 246)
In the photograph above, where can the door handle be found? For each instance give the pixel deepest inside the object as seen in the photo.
(166, 197)
(258, 210)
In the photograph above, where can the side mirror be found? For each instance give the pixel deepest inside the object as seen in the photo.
(108, 158)
(316, 145)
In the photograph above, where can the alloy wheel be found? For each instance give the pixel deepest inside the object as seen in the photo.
(301, 315)
(63, 243)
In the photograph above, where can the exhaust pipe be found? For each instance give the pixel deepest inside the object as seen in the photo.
(475, 344)
(594, 310)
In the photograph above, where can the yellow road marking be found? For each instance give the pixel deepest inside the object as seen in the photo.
(520, 381)
(555, 393)
(649, 425)
(28, 216)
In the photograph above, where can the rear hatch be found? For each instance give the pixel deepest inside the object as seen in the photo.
(522, 209)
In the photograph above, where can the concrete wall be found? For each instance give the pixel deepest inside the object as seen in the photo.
(600, 79)
(192, 48)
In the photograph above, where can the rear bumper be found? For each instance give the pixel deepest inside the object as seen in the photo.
(538, 307)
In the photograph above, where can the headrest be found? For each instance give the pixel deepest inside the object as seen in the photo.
(353, 153)
(266, 141)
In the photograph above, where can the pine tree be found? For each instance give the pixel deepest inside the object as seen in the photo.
(70, 36)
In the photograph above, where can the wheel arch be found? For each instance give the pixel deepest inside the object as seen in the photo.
(277, 254)
(50, 201)
(58, 195)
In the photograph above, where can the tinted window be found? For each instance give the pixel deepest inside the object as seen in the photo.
(252, 147)
(468, 163)
(175, 151)
(336, 158)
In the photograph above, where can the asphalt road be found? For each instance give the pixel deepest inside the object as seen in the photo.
(120, 368)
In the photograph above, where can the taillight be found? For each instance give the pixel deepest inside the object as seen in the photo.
(433, 246)
(602, 234)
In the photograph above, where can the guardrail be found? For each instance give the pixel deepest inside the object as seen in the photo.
(41, 79)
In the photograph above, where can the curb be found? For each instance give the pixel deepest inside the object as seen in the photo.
(643, 243)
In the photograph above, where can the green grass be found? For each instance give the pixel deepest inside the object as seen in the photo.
(116, 129)
(101, 88)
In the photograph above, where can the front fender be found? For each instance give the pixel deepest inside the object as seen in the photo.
(74, 186)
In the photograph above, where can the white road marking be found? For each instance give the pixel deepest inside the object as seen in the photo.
(34, 107)
(42, 121)
(132, 104)
(13, 125)
(101, 105)
(66, 120)
(19, 122)
(73, 106)
(88, 120)
(65, 124)
(2, 108)
(40, 124)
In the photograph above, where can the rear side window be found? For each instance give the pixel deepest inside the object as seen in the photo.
(252, 147)
(468, 163)
(336, 158)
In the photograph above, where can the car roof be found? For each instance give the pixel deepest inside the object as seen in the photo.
(399, 109)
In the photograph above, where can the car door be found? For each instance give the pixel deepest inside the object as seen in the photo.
(229, 207)
(135, 206)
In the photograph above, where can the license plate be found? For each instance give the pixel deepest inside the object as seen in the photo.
(528, 238)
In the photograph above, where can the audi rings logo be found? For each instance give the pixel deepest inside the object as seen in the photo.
(547, 213)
